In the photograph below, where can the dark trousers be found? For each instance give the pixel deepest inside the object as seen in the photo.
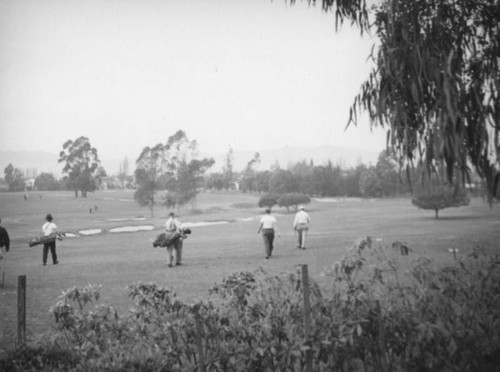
(268, 237)
(176, 246)
(52, 247)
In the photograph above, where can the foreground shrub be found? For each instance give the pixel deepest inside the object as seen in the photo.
(382, 310)
(41, 357)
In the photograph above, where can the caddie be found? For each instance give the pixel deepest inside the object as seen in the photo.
(174, 226)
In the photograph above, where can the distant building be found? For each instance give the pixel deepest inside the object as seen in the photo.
(29, 184)
(116, 182)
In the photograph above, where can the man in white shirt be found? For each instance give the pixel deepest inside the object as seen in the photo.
(268, 226)
(49, 228)
(301, 225)
(174, 226)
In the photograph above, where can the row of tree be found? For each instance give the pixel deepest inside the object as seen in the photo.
(380, 180)
(170, 175)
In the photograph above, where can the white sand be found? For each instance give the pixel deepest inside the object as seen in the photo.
(199, 224)
(131, 229)
(90, 232)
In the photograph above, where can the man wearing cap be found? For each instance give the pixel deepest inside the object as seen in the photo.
(300, 224)
(268, 226)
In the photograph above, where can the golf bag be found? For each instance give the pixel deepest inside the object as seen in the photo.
(165, 239)
(45, 239)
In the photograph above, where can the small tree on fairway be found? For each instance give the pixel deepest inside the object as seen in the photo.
(440, 198)
(268, 200)
(293, 200)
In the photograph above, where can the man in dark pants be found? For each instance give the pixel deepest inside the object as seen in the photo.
(268, 226)
(174, 226)
(4, 238)
(50, 228)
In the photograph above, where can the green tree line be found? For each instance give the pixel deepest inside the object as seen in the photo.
(380, 180)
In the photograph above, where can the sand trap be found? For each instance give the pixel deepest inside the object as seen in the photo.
(70, 235)
(199, 224)
(90, 232)
(247, 219)
(131, 228)
(127, 219)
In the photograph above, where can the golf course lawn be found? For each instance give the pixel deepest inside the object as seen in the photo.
(224, 240)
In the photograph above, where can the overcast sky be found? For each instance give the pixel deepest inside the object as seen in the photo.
(254, 75)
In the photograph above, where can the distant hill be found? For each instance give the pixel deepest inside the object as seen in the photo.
(28, 161)
(44, 162)
(347, 157)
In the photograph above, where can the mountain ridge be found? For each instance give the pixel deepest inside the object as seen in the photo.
(30, 162)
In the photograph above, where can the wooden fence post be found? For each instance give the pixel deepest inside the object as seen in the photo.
(21, 309)
(307, 318)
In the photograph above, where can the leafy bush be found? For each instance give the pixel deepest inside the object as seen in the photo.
(293, 200)
(268, 200)
(441, 198)
(384, 310)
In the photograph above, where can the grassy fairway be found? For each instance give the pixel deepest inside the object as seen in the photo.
(116, 260)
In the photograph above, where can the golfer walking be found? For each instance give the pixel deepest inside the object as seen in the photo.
(268, 226)
(173, 226)
(301, 225)
(4, 240)
(49, 228)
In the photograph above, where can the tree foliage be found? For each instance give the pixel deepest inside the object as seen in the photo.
(14, 178)
(147, 187)
(148, 176)
(369, 183)
(227, 170)
(282, 181)
(249, 175)
(440, 198)
(435, 86)
(268, 200)
(46, 181)
(293, 200)
(172, 167)
(81, 164)
(436, 82)
(304, 177)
